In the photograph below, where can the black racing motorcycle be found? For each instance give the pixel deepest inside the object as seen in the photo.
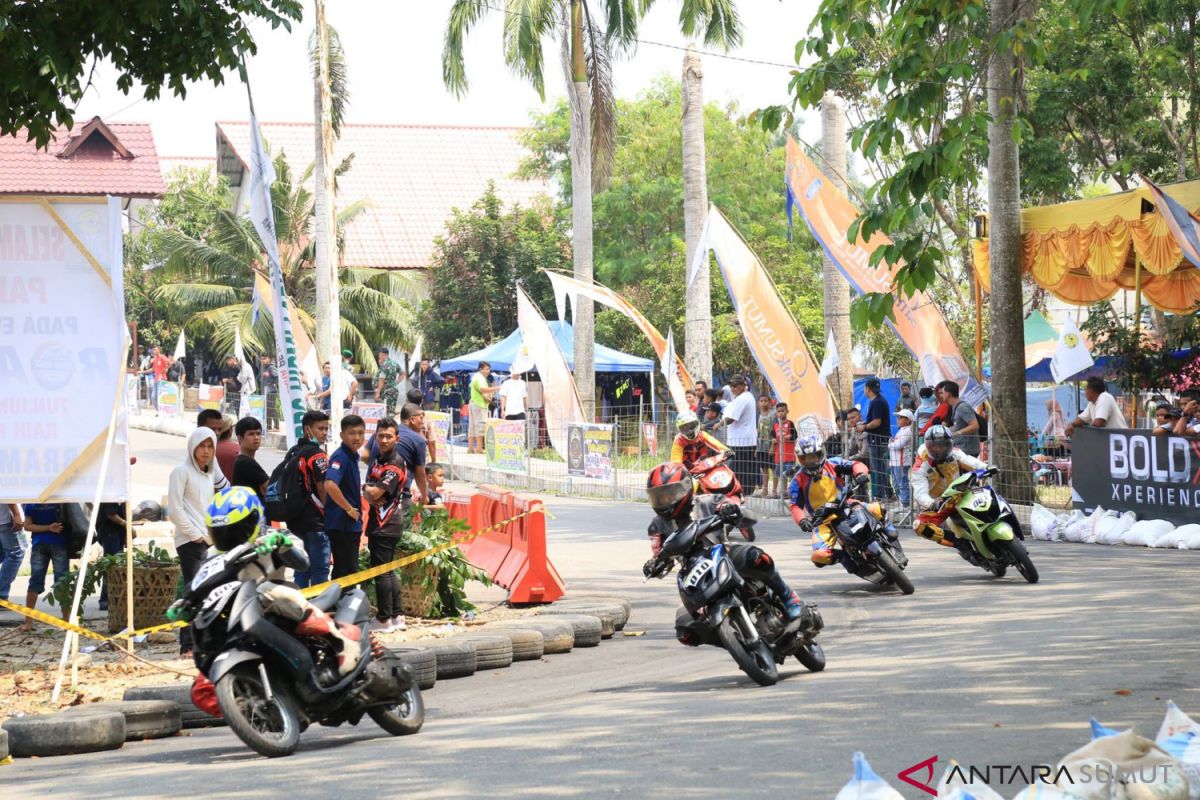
(271, 684)
(724, 609)
(868, 548)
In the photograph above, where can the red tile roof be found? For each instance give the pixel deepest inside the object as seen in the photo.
(412, 176)
(93, 159)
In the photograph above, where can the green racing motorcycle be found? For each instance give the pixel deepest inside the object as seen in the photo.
(980, 516)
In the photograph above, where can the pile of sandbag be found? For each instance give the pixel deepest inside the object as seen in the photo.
(1114, 765)
(1111, 527)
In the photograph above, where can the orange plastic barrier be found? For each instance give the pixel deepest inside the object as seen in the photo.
(514, 554)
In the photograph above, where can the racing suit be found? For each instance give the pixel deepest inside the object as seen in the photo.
(929, 480)
(689, 452)
(808, 493)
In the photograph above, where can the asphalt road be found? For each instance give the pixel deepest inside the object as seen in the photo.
(972, 668)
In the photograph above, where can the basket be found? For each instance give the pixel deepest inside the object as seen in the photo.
(154, 589)
(415, 599)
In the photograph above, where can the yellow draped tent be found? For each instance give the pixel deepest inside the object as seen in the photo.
(1086, 250)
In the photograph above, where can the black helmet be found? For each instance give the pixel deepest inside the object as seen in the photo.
(669, 488)
(147, 511)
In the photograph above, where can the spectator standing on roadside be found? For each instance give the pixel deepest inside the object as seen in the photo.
(227, 448)
(12, 549)
(1188, 424)
(231, 372)
(191, 487)
(964, 424)
(411, 445)
(854, 442)
(762, 454)
(435, 479)
(783, 446)
(349, 382)
(110, 533)
(926, 408)
(900, 454)
(44, 523)
(387, 381)
(1102, 410)
(692, 403)
(343, 492)
(1165, 419)
(877, 428)
(246, 469)
(906, 399)
(428, 381)
(742, 435)
(268, 384)
(384, 489)
(941, 414)
(481, 394)
(310, 524)
(512, 397)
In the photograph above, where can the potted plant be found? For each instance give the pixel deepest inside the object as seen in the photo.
(156, 576)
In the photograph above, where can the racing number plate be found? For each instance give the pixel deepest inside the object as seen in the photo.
(208, 569)
(702, 568)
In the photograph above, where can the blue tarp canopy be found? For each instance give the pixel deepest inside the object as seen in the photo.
(502, 354)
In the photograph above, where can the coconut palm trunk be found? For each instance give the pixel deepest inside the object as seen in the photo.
(583, 318)
(837, 291)
(328, 312)
(1010, 448)
(698, 325)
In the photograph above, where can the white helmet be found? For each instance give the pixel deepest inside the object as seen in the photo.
(688, 424)
(938, 444)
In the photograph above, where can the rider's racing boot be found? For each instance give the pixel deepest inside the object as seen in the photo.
(318, 623)
(966, 551)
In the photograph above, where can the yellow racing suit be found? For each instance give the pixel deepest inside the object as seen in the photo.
(929, 480)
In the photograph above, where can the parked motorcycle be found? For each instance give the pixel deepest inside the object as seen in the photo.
(861, 528)
(271, 685)
(723, 609)
(980, 516)
(715, 477)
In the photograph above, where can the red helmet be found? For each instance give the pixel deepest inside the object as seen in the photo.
(669, 489)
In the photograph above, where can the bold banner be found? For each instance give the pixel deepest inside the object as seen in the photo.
(62, 329)
(504, 443)
(262, 215)
(774, 338)
(440, 423)
(371, 414)
(919, 323)
(590, 451)
(169, 402)
(560, 401)
(1156, 477)
(566, 287)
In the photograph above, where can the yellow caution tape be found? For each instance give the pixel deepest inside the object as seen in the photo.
(33, 613)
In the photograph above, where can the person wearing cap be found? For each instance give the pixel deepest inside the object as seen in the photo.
(906, 398)
(741, 432)
(387, 381)
(877, 427)
(900, 454)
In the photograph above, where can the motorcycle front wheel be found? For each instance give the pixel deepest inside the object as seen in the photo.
(755, 660)
(269, 727)
(812, 656)
(402, 718)
(1020, 557)
(889, 567)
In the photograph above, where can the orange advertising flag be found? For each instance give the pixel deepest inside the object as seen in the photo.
(919, 323)
(774, 338)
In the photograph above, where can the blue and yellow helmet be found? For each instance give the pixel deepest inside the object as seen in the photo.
(235, 516)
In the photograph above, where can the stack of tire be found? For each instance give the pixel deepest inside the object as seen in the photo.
(89, 728)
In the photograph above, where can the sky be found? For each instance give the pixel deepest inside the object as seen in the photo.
(394, 58)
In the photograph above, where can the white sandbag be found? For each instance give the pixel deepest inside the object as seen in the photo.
(956, 785)
(1073, 528)
(1179, 735)
(1146, 532)
(1043, 524)
(866, 785)
(1189, 540)
(1154, 774)
(1182, 533)
(1113, 527)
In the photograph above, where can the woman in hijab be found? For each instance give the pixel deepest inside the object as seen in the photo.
(1054, 430)
(189, 491)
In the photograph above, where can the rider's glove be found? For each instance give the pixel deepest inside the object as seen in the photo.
(180, 611)
(655, 568)
(807, 524)
(272, 541)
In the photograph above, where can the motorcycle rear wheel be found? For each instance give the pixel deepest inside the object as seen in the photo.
(756, 660)
(812, 656)
(402, 718)
(268, 727)
(1020, 556)
(889, 567)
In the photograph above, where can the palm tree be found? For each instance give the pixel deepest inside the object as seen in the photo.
(215, 276)
(586, 50)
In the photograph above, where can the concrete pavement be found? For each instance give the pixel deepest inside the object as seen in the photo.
(981, 670)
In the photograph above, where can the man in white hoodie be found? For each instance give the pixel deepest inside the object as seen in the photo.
(189, 491)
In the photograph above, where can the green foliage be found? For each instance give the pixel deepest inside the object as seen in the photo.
(1137, 360)
(486, 251)
(638, 218)
(62, 593)
(48, 52)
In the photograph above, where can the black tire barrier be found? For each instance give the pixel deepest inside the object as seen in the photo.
(456, 658)
(181, 694)
(65, 734)
(144, 719)
(423, 662)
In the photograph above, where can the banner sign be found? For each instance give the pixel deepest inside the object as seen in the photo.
(650, 434)
(169, 404)
(371, 414)
(590, 451)
(439, 423)
(131, 394)
(1156, 477)
(560, 401)
(254, 405)
(212, 397)
(62, 334)
(919, 323)
(504, 442)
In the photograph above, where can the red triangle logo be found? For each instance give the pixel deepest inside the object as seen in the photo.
(926, 767)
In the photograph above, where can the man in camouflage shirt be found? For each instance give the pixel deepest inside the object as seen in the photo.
(387, 381)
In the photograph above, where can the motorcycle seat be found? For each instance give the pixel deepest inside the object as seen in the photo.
(328, 599)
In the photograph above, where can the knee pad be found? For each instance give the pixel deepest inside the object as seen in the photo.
(761, 558)
(823, 557)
